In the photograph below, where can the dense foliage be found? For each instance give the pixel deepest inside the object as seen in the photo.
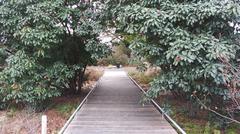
(185, 38)
(47, 45)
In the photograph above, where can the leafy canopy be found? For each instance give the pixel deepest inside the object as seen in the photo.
(183, 37)
(47, 44)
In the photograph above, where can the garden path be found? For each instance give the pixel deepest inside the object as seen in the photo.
(114, 108)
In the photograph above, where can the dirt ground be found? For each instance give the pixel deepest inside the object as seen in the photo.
(21, 121)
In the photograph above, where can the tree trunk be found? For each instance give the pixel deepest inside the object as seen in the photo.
(81, 77)
(222, 131)
(73, 84)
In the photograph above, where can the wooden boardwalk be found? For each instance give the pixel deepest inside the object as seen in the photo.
(114, 108)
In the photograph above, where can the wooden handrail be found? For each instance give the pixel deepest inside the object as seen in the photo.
(167, 117)
(78, 108)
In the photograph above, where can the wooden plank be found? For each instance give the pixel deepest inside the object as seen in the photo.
(114, 108)
(107, 131)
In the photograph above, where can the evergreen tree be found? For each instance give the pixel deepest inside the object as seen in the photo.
(185, 38)
(48, 44)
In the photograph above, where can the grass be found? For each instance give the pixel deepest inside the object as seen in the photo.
(233, 129)
(65, 109)
(197, 125)
(11, 112)
(193, 128)
(141, 77)
(93, 74)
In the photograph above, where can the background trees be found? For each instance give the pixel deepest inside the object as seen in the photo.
(185, 38)
(120, 55)
(47, 46)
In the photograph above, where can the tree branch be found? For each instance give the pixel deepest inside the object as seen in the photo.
(215, 112)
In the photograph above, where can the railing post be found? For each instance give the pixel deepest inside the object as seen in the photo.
(44, 124)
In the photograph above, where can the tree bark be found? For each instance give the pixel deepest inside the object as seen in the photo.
(81, 78)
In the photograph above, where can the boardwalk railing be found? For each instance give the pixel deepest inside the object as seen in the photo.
(80, 105)
(167, 117)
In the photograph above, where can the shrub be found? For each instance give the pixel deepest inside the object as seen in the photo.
(185, 38)
(48, 46)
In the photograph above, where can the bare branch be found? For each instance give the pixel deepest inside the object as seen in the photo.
(217, 113)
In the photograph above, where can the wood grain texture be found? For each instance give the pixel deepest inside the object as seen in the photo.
(114, 108)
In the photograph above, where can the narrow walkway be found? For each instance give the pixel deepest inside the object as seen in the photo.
(114, 108)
